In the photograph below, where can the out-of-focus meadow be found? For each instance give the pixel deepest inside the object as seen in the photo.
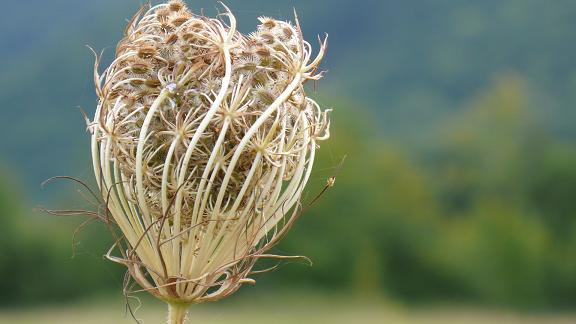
(456, 202)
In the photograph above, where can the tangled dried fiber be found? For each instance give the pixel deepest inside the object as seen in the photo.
(202, 143)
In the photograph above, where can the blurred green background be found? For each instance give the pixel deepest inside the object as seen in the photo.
(458, 193)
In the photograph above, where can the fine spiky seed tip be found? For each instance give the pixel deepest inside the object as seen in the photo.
(202, 143)
(176, 5)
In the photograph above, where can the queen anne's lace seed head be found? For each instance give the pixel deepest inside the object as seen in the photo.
(203, 141)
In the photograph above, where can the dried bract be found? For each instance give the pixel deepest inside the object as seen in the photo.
(202, 142)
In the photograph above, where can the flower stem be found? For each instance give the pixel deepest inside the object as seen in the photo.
(177, 313)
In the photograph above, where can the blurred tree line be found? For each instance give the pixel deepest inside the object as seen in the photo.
(39, 260)
(482, 212)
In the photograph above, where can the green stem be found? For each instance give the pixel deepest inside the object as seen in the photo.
(177, 313)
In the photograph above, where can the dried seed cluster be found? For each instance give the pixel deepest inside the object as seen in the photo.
(203, 141)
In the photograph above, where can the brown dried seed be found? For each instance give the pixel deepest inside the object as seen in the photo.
(263, 51)
(188, 36)
(207, 59)
(277, 65)
(259, 78)
(173, 38)
(267, 61)
(250, 66)
(175, 5)
(152, 83)
(280, 48)
(251, 42)
(162, 14)
(287, 32)
(179, 68)
(146, 52)
(196, 25)
(167, 27)
(133, 97)
(267, 38)
(143, 91)
(171, 64)
(269, 23)
(112, 95)
(136, 82)
(265, 96)
(140, 67)
(178, 21)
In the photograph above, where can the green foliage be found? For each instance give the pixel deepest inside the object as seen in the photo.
(479, 208)
(37, 263)
(484, 213)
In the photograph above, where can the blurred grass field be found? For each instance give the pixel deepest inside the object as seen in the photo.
(291, 309)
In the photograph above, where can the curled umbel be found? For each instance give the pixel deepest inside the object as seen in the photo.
(202, 143)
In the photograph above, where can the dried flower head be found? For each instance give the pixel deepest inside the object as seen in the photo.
(202, 143)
